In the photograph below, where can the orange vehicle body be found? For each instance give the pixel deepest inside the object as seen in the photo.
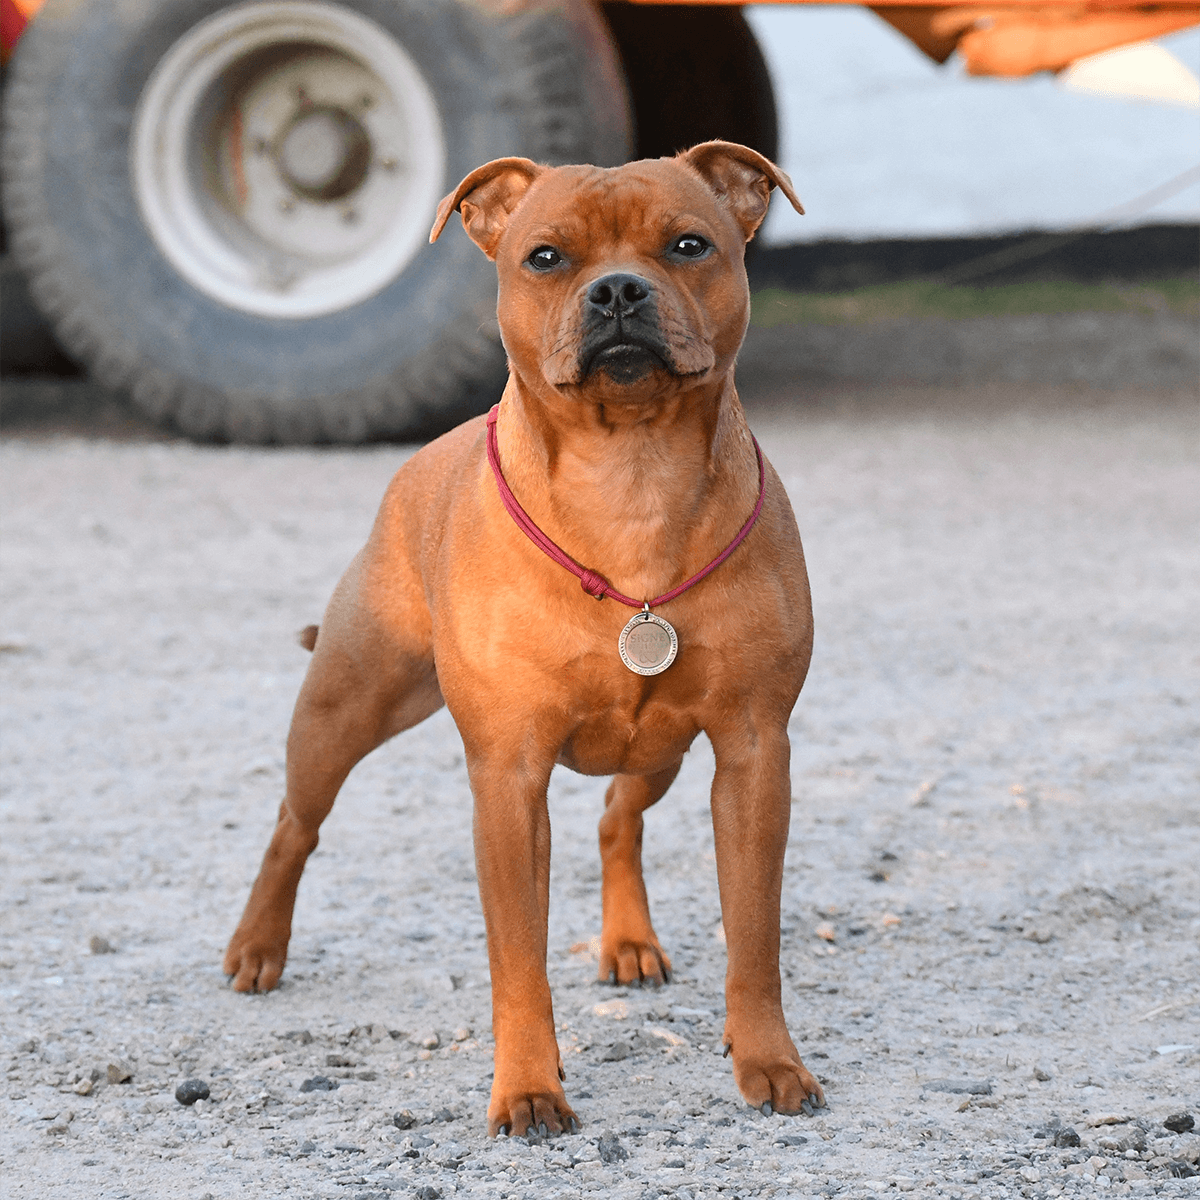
(1010, 37)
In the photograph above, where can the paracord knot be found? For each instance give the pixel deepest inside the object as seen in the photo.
(594, 584)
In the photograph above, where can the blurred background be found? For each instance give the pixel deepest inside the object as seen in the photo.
(884, 142)
(215, 214)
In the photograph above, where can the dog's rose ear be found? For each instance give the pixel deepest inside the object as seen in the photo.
(742, 178)
(486, 199)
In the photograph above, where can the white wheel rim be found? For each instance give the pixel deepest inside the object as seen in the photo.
(287, 157)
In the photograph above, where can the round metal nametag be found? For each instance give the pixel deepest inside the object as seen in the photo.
(648, 644)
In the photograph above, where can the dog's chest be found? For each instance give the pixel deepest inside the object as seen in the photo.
(635, 734)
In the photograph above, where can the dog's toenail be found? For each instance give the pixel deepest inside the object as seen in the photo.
(766, 1109)
(806, 1108)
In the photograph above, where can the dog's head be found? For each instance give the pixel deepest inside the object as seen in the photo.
(620, 284)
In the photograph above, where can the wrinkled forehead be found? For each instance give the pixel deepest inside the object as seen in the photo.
(604, 205)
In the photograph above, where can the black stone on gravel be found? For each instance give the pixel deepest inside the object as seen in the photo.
(403, 1119)
(319, 1083)
(426, 1192)
(191, 1090)
(1180, 1122)
(610, 1148)
(1066, 1137)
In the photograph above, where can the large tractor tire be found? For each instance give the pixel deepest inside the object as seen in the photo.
(695, 72)
(224, 209)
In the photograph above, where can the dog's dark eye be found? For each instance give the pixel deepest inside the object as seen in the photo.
(691, 245)
(544, 258)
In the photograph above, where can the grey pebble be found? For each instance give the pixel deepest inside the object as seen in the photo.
(959, 1087)
(616, 1052)
(119, 1071)
(1182, 1122)
(302, 1036)
(403, 1119)
(1066, 1137)
(101, 945)
(318, 1083)
(191, 1090)
(610, 1148)
(427, 1192)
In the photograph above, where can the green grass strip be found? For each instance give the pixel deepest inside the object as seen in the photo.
(774, 306)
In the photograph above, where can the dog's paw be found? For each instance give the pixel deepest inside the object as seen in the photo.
(531, 1114)
(254, 963)
(641, 963)
(776, 1080)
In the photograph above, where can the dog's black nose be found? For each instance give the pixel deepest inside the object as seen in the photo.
(619, 294)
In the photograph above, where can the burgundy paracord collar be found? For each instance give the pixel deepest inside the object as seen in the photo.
(592, 582)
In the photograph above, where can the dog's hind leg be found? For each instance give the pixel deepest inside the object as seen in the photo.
(362, 688)
(629, 949)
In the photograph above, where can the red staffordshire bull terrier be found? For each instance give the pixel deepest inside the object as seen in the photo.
(619, 458)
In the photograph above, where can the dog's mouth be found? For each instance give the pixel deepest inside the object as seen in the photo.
(624, 361)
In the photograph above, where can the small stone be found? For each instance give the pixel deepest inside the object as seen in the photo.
(826, 932)
(1181, 1170)
(959, 1087)
(301, 1036)
(119, 1071)
(1042, 1076)
(318, 1083)
(617, 1052)
(101, 945)
(461, 1033)
(338, 1060)
(61, 1123)
(1099, 1119)
(610, 1148)
(1182, 1122)
(1066, 1137)
(427, 1039)
(83, 1087)
(403, 1119)
(191, 1090)
(426, 1192)
(1030, 1174)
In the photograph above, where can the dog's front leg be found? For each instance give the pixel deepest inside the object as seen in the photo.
(751, 808)
(512, 854)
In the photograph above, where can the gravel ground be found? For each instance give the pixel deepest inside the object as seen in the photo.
(991, 910)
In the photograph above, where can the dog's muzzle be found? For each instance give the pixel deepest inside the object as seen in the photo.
(621, 333)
